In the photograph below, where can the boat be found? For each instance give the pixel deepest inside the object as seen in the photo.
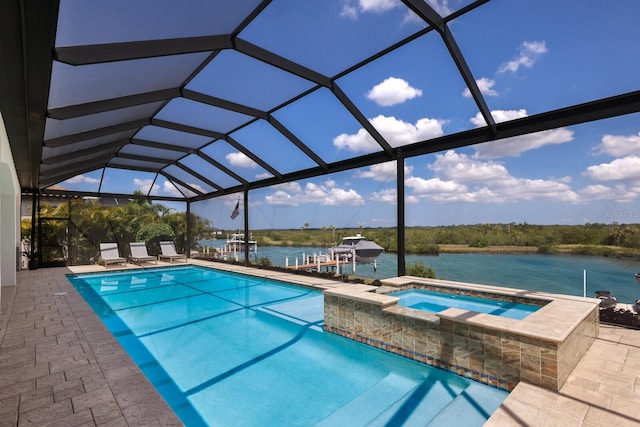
(638, 277)
(365, 251)
(236, 243)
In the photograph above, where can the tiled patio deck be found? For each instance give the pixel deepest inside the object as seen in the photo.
(60, 366)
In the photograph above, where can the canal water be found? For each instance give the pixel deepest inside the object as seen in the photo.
(538, 272)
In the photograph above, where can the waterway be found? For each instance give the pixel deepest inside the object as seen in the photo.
(563, 274)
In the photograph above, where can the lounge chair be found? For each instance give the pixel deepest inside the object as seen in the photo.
(109, 254)
(139, 253)
(168, 251)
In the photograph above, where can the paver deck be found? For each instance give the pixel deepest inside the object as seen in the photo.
(59, 365)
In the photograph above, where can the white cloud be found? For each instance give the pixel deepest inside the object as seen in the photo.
(326, 194)
(340, 197)
(486, 87)
(528, 54)
(499, 116)
(392, 91)
(460, 178)
(168, 187)
(617, 193)
(349, 11)
(240, 159)
(382, 172)
(292, 186)
(378, 6)
(626, 168)
(197, 187)
(433, 186)
(145, 184)
(440, 6)
(619, 145)
(396, 132)
(281, 198)
(596, 192)
(464, 169)
(81, 179)
(513, 147)
(386, 196)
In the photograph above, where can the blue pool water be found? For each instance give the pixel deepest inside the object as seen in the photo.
(433, 301)
(225, 349)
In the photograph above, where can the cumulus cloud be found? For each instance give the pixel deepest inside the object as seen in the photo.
(626, 168)
(197, 187)
(461, 178)
(378, 6)
(441, 6)
(396, 132)
(82, 179)
(382, 171)
(326, 194)
(513, 147)
(351, 9)
(240, 159)
(392, 91)
(528, 55)
(145, 185)
(386, 196)
(486, 88)
(619, 145)
(499, 116)
(263, 175)
(462, 168)
(618, 193)
(168, 187)
(281, 198)
(292, 187)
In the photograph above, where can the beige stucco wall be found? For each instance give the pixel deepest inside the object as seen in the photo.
(9, 211)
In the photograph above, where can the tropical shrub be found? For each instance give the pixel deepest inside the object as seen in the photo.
(419, 270)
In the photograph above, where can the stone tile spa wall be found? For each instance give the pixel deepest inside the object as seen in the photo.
(541, 349)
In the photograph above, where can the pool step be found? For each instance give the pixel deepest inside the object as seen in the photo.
(358, 411)
(475, 404)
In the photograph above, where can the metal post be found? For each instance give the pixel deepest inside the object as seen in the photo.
(187, 249)
(246, 227)
(402, 268)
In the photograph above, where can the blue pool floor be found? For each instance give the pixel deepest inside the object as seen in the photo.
(231, 349)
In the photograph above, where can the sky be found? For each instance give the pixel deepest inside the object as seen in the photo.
(526, 58)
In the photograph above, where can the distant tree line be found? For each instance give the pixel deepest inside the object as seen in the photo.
(427, 240)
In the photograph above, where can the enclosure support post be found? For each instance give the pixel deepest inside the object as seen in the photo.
(400, 212)
(187, 246)
(247, 236)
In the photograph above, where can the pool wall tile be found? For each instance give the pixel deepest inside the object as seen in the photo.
(542, 349)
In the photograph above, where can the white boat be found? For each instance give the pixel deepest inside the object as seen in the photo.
(236, 243)
(638, 277)
(364, 250)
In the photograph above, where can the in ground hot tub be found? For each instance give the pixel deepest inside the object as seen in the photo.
(484, 344)
(435, 302)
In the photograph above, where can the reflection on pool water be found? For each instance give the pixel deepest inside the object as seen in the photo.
(229, 349)
(427, 300)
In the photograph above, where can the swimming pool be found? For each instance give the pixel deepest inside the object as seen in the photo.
(229, 349)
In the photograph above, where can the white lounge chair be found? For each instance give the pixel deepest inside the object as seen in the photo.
(139, 253)
(168, 251)
(109, 254)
